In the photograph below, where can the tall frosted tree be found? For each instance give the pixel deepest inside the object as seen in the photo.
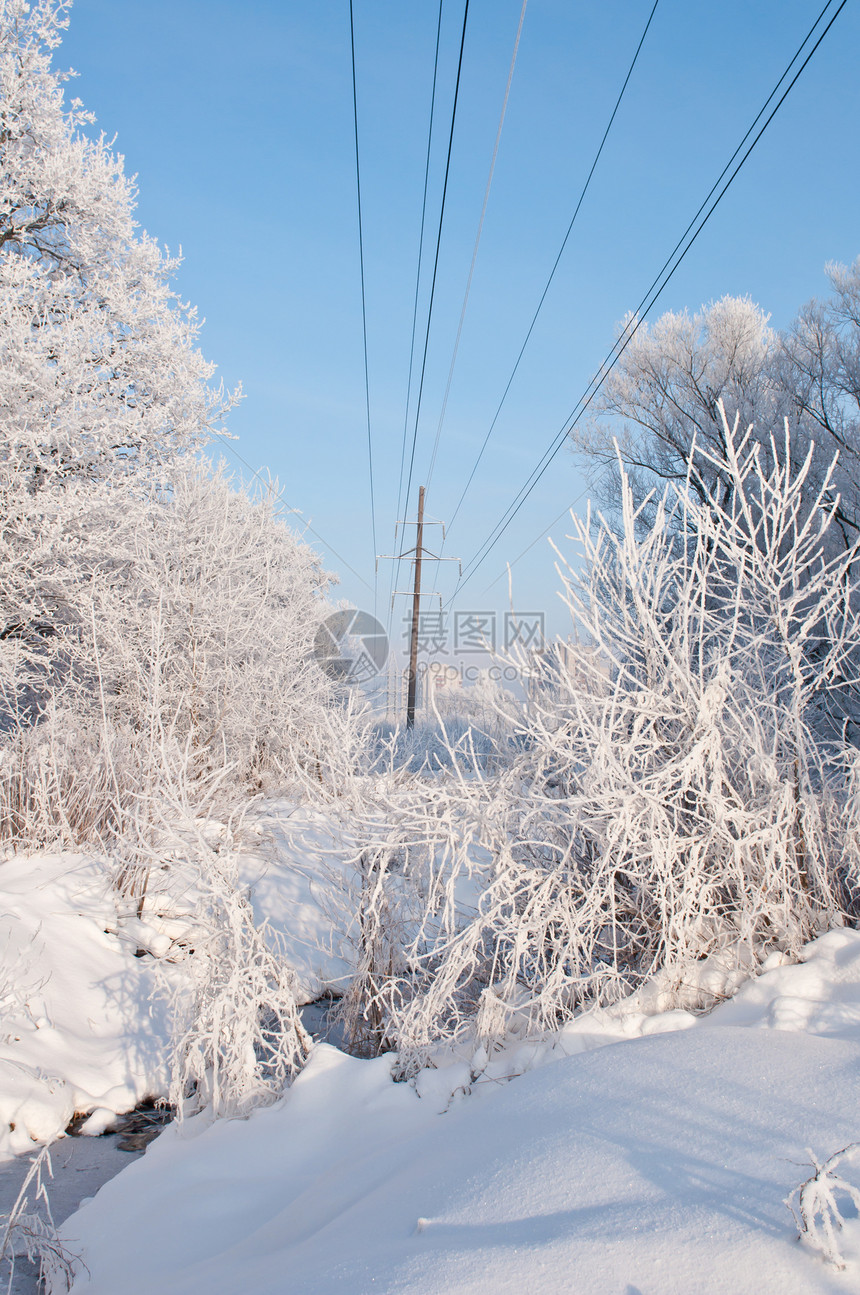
(100, 371)
(664, 392)
(138, 595)
(102, 387)
(156, 625)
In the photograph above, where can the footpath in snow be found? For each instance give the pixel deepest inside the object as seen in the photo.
(658, 1165)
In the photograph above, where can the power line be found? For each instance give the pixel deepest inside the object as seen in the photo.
(477, 242)
(438, 245)
(435, 271)
(363, 295)
(555, 266)
(564, 512)
(475, 257)
(415, 305)
(648, 301)
(420, 257)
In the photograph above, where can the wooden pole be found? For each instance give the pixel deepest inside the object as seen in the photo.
(416, 606)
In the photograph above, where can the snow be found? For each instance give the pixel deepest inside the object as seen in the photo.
(654, 1164)
(293, 876)
(818, 996)
(84, 1025)
(637, 1149)
(81, 1028)
(642, 1149)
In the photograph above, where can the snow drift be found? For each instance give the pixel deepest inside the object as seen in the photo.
(660, 1164)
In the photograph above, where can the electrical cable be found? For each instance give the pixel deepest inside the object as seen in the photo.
(555, 266)
(477, 245)
(436, 258)
(552, 271)
(648, 301)
(472, 270)
(435, 272)
(363, 303)
(396, 569)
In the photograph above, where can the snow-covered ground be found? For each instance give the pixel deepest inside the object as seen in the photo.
(638, 1150)
(293, 863)
(657, 1165)
(81, 1028)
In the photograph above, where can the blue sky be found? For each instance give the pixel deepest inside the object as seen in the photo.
(237, 119)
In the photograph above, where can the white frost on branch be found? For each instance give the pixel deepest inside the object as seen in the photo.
(815, 1204)
(680, 792)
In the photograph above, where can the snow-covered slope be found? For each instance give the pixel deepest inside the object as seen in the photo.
(654, 1166)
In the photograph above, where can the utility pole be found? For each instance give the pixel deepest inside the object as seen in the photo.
(416, 555)
(416, 608)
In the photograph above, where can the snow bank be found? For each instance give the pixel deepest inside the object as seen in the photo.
(821, 995)
(81, 1026)
(297, 881)
(657, 1166)
(80, 1030)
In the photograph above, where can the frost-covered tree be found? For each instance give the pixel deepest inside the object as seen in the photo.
(819, 367)
(102, 386)
(203, 628)
(100, 369)
(185, 652)
(156, 624)
(666, 388)
(101, 383)
(150, 618)
(664, 391)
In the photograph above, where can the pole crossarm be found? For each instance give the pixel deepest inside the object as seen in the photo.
(425, 593)
(411, 555)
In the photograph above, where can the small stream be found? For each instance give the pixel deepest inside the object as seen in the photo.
(81, 1165)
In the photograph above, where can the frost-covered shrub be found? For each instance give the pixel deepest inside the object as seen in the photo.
(185, 639)
(817, 1204)
(236, 1037)
(377, 932)
(445, 742)
(28, 1231)
(678, 795)
(848, 828)
(208, 634)
(66, 781)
